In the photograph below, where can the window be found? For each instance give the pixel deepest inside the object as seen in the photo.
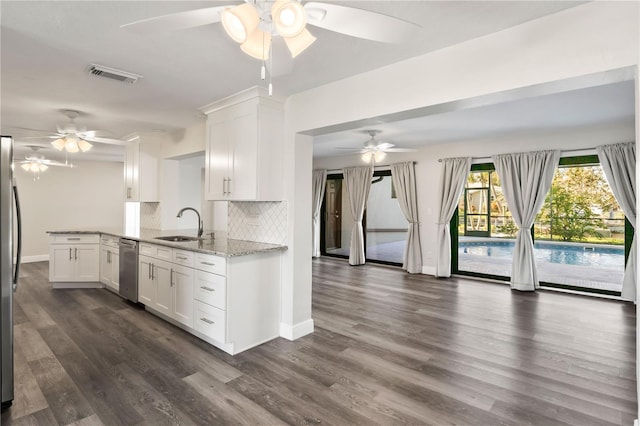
(581, 237)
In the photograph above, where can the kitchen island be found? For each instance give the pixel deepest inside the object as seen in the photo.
(225, 291)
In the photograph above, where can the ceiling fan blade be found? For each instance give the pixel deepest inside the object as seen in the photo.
(177, 21)
(400, 150)
(359, 23)
(38, 137)
(107, 141)
(384, 146)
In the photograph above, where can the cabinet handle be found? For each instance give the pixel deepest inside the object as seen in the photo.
(153, 272)
(129, 192)
(208, 321)
(75, 255)
(73, 238)
(224, 186)
(207, 288)
(148, 270)
(181, 258)
(228, 186)
(208, 263)
(171, 278)
(108, 257)
(70, 258)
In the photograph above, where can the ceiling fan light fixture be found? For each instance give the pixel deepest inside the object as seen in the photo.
(366, 157)
(379, 156)
(257, 45)
(84, 145)
(299, 43)
(58, 144)
(289, 17)
(71, 145)
(240, 21)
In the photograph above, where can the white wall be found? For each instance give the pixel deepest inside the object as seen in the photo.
(587, 39)
(90, 195)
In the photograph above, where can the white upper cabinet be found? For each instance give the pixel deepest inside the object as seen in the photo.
(244, 148)
(141, 171)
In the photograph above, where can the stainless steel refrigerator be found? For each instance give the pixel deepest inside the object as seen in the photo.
(10, 247)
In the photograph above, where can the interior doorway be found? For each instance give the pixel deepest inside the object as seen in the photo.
(333, 215)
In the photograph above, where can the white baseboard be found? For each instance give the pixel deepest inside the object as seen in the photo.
(429, 270)
(36, 258)
(293, 332)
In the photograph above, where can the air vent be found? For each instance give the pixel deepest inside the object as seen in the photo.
(114, 74)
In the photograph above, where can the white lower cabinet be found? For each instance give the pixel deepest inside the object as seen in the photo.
(232, 303)
(110, 262)
(74, 259)
(166, 288)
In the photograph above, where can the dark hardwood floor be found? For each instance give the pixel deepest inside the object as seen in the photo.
(389, 348)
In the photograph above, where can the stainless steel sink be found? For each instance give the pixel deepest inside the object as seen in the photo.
(177, 238)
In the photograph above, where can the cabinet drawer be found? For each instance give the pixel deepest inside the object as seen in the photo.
(210, 321)
(183, 257)
(159, 252)
(75, 238)
(109, 240)
(210, 263)
(210, 289)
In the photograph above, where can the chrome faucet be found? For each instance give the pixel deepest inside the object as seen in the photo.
(200, 225)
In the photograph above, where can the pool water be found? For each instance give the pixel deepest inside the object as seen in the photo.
(570, 254)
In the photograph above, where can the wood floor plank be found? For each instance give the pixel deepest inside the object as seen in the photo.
(389, 348)
(65, 400)
(28, 398)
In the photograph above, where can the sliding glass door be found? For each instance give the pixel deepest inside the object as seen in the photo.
(581, 235)
(385, 228)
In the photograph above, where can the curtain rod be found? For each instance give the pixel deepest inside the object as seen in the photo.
(379, 168)
(564, 151)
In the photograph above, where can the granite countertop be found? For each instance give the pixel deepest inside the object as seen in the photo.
(221, 245)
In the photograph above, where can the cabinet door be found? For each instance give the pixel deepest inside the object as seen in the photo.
(146, 285)
(217, 159)
(87, 262)
(106, 271)
(115, 269)
(131, 160)
(244, 164)
(183, 295)
(61, 262)
(162, 277)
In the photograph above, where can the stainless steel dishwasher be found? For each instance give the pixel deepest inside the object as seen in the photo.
(129, 269)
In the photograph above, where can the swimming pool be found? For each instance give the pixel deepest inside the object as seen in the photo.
(565, 254)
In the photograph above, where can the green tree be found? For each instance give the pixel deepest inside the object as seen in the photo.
(578, 197)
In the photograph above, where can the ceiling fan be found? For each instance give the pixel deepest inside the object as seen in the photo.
(37, 164)
(254, 23)
(71, 137)
(374, 149)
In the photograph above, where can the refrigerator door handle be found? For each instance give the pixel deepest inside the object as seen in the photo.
(19, 245)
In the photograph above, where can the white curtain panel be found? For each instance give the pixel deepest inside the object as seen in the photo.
(454, 175)
(526, 179)
(319, 182)
(404, 182)
(357, 182)
(619, 164)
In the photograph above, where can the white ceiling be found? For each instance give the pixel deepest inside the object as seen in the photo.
(46, 47)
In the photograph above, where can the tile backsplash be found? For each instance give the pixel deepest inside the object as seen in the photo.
(263, 222)
(150, 215)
